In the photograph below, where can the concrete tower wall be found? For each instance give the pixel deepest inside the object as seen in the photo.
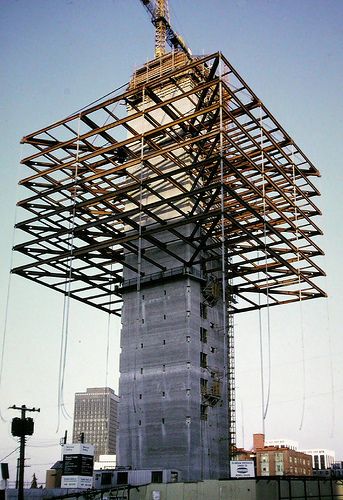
(173, 407)
(163, 421)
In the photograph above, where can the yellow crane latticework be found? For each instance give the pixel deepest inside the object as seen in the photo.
(162, 15)
(164, 33)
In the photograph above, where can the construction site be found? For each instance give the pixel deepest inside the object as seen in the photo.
(176, 203)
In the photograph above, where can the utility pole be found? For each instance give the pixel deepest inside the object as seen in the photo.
(22, 427)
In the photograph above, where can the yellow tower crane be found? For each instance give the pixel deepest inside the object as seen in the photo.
(164, 33)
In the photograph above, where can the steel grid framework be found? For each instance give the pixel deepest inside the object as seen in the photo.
(236, 164)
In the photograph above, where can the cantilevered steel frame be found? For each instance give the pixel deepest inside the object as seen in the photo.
(85, 200)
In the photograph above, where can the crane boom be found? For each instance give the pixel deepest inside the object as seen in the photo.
(164, 33)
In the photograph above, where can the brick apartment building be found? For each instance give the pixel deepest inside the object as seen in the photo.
(276, 460)
(280, 461)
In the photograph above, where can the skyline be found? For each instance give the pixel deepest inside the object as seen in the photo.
(52, 69)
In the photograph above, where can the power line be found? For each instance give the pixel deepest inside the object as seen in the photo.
(17, 448)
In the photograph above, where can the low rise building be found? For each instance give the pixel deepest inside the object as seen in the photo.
(283, 443)
(280, 461)
(321, 458)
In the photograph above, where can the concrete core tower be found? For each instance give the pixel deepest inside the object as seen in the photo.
(172, 368)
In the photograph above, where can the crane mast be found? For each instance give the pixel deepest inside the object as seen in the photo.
(164, 33)
(161, 28)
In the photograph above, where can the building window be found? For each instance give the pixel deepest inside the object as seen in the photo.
(140, 396)
(203, 360)
(163, 368)
(141, 346)
(188, 338)
(164, 342)
(141, 370)
(203, 335)
(122, 478)
(213, 349)
(174, 477)
(203, 412)
(165, 292)
(163, 394)
(203, 385)
(156, 476)
(162, 420)
(164, 316)
(203, 310)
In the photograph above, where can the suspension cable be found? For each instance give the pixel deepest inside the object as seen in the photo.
(265, 404)
(300, 290)
(67, 292)
(8, 292)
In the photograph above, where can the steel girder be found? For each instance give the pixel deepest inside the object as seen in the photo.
(223, 166)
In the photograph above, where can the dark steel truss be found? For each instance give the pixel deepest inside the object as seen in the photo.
(87, 174)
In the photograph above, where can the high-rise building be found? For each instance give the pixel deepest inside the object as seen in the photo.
(176, 203)
(95, 416)
(173, 406)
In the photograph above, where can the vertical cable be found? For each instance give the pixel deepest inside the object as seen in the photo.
(107, 345)
(67, 292)
(332, 380)
(9, 284)
(300, 291)
(265, 404)
(261, 368)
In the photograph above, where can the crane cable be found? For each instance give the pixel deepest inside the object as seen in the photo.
(265, 403)
(9, 285)
(4, 336)
(302, 337)
(67, 293)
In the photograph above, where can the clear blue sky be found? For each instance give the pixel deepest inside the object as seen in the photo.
(58, 56)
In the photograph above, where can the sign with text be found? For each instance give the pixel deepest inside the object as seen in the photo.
(78, 462)
(242, 468)
(76, 482)
(78, 449)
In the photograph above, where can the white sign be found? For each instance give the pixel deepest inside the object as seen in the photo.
(78, 449)
(243, 468)
(77, 482)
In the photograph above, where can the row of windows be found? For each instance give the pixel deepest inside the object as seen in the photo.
(203, 416)
(203, 362)
(164, 293)
(203, 339)
(203, 312)
(203, 389)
